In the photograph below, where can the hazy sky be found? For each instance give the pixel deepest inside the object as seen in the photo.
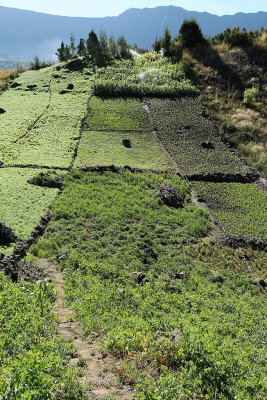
(102, 8)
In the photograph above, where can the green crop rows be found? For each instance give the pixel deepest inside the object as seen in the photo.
(106, 148)
(182, 129)
(51, 140)
(33, 364)
(22, 204)
(113, 226)
(147, 75)
(240, 208)
(117, 115)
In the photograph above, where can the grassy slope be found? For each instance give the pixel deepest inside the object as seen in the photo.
(117, 227)
(33, 363)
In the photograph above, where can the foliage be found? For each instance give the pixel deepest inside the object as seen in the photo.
(49, 179)
(117, 115)
(244, 261)
(182, 128)
(240, 208)
(147, 75)
(190, 34)
(237, 37)
(106, 148)
(22, 204)
(250, 96)
(36, 64)
(33, 364)
(117, 227)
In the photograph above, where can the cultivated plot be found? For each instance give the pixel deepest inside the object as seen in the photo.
(117, 115)
(120, 149)
(240, 208)
(22, 204)
(43, 115)
(191, 138)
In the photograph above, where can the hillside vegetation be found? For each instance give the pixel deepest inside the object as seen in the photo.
(137, 186)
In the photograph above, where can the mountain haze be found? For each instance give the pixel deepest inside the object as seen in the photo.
(27, 33)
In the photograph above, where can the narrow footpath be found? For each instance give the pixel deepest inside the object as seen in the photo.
(98, 369)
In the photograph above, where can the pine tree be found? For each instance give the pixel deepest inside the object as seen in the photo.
(92, 44)
(72, 45)
(81, 49)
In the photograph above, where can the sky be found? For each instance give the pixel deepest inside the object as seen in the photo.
(103, 8)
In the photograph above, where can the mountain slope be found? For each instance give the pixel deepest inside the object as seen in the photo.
(27, 33)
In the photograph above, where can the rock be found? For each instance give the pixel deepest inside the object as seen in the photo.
(56, 76)
(58, 68)
(6, 234)
(176, 336)
(31, 87)
(187, 127)
(63, 92)
(2, 111)
(76, 64)
(45, 86)
(170, 196)
(122, 293)
(15, 84)
(207, 145)
(262, 283)
(126, 143)
(180, 275)
(61, 257)
(70, 86)
(1, 164)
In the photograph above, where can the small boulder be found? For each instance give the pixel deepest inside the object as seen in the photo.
(15, 84)
(63, 92)
(32, 86)
(70, 86)
(170, 196)
(126, 143)
(187, 127)
(56, 76)
(207, 145)
(2, 111)
(180, 275)
(176, 336)
(7, 236)
(58, 68)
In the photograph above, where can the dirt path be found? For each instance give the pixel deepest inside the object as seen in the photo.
(97, 368)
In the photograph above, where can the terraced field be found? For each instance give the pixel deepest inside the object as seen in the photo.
(41, 126)
(185, 314)
(118, 131)
(240, 208)
(21, 203)
(183, 130)
(107, 148)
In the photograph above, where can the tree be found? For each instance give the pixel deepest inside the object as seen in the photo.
(166, 42)
(103, 43)
(112, 47)
(190, 34)
(63, 52)
(72, 45)
(81, 49)
(122, 46)
(156, 45)
(92, 44)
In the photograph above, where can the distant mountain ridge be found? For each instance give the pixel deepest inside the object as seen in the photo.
(28, 33)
